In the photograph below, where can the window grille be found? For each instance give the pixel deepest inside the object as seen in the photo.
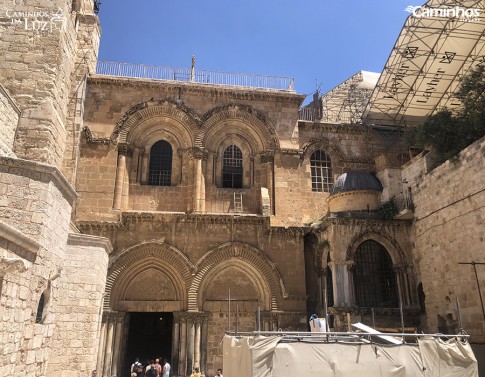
(321, 171)
(160, 169)
(374, 277)
(232, 167)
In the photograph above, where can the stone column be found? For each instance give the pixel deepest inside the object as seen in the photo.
(199, 155)
(183, 345)
(198, 322)
(102, 345)
(343, 292)
(190, 343)
(181, 176)
(403, 285)
(123, 151)
(251, 170)
(204, 333)
(175, 343)
(322, 286)
(139, 168)
(269, 321)
(108, 351)
(118, 337)
(125, 194)
(267, 158)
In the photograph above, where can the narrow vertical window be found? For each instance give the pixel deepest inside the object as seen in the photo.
(374, 277)
(160, 169)
(321, 171)
(232, 167)
(40, 309)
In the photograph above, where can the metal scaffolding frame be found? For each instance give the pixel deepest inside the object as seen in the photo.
(426, 64)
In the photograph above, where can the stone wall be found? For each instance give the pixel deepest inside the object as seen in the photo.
(295, 202)
(42, 80)
(81, 289)
(448, 230)
(35, 205)
(9, 118)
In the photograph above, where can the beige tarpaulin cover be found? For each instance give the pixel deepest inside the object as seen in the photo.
(269, 357)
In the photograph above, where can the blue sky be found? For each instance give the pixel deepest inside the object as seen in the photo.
(308, 40)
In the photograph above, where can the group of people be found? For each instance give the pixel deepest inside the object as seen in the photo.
(155, 369)
(151, 369)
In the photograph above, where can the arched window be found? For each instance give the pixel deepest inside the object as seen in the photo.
(374, 278)
(39, 317)
(321, 170)
(160, 169)
(232, 167)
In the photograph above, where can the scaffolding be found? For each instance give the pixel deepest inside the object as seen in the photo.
(439, 44)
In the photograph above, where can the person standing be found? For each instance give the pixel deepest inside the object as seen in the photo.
(136, 367)
(219, 373)
(166, 369)
(158, 367)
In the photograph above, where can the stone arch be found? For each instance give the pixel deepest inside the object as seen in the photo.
(138, 258)
(155, 108)
(254, 126)
(251, 275)
(255, 263)
(330, 148)
(390, 244)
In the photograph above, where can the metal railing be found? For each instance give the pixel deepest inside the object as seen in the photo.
(308, 114)
(404, 201)
(194, 75)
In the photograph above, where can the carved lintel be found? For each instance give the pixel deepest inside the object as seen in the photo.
(11, 265)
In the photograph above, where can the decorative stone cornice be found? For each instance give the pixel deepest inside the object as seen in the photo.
(76, 239)
(11, 265)
(97, 226)
(25, 247)
(292, 231)
(290, 152)
(38, 171)
(333, 127)
(206, 90)
(92, 140)
(212, 218)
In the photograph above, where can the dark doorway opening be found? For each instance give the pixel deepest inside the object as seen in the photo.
(149, 338)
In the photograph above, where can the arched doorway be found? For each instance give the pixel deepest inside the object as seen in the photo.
(146, 286)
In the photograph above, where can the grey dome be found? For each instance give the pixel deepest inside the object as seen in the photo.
(356, 181)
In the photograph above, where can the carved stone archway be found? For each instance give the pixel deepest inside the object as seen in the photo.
(138, 259)
(254, 262)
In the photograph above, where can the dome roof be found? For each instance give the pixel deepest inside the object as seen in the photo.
(356, 181)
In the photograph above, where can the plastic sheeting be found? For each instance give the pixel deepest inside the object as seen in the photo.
(270, 357)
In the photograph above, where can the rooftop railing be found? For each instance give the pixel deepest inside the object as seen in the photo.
(195, 75)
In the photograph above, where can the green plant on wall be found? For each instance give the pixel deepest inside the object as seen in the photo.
(387, 210)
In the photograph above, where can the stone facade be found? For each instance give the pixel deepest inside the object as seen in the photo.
(96, 261)
(448, 230)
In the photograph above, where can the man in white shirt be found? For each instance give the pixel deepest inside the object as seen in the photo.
(166, 369)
